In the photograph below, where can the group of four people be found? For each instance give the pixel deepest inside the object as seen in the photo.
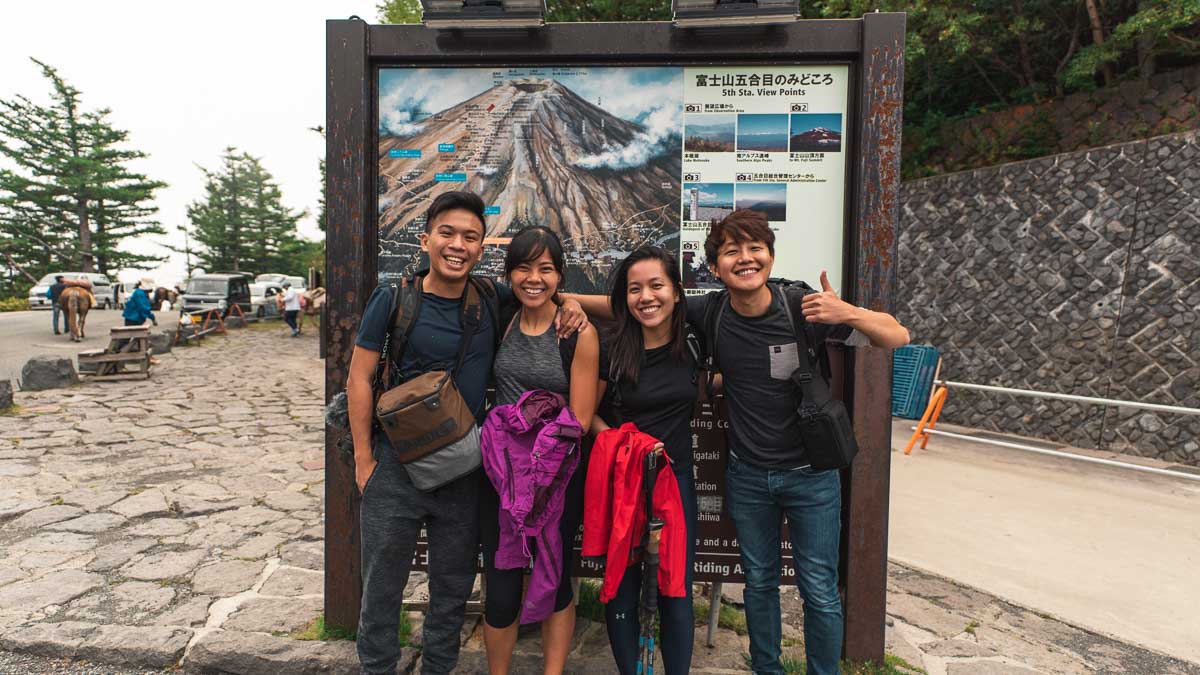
(649, 378)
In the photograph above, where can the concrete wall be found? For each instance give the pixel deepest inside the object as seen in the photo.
(1076, 273)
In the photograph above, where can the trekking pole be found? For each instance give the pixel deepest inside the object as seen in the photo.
(649, 608)
(649, 618)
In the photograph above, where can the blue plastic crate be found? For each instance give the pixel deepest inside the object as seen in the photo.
(913, 368)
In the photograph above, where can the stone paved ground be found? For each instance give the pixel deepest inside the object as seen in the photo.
(178, 522)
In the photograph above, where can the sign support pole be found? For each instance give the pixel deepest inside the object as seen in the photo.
(350, 272)
(876, 199)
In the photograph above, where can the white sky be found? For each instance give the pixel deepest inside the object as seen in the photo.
(186, 80)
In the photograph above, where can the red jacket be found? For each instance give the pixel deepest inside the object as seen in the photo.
(614, 519)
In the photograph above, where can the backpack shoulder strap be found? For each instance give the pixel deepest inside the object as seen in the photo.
(406, 305)
(491, 298)
(566, 353)
(714, 308)
(793, 305)
(471, 316)
(694, 348)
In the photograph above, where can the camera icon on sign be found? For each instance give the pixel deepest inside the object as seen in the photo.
(799, 107)
(692, 108)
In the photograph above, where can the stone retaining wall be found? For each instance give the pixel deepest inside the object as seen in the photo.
(1077, 273)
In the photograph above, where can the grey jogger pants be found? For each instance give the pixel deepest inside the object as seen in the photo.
(390, 519)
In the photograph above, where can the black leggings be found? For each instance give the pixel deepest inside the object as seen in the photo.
(504, 587)
(677, 625)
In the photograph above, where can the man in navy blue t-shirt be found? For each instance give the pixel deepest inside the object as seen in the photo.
(393, 511)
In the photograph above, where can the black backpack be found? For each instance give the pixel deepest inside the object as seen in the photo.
(406, 307)
(793, 292)
(695, 349)
(824, 422)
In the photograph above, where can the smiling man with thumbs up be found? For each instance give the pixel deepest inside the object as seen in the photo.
(750, 335)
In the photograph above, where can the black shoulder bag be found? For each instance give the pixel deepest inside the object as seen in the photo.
(825, 425)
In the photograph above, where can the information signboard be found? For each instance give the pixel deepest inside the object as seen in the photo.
(614, 157)
(409, 116)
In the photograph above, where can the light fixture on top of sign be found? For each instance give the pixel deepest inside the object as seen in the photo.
(714, 13)
(483, 13)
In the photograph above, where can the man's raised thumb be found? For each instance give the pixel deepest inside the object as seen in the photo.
(825, 285)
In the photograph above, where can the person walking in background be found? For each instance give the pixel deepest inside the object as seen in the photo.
(53, 292)
(291, 307)
(137, 308)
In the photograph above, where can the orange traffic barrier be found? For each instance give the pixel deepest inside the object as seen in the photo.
(928, 420)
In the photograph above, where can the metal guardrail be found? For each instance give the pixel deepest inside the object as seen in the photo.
(1180, 410)
(925, 427)
(1065, 455)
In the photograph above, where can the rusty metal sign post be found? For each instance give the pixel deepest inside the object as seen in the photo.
(399, 96)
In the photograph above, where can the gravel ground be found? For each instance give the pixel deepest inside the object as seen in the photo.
(25, 664)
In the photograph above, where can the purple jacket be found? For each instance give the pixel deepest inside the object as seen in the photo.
(530, 451)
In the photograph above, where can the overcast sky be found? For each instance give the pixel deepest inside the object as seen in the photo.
(187, 80)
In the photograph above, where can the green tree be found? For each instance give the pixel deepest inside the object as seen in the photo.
(69, 198)
(321, 168)
(1141, 35)
(399, 11)
(241, 223)
(965, 58)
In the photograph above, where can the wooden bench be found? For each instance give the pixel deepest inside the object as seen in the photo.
(128, 346)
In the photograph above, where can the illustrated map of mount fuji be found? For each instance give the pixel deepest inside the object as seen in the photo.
(537, 153)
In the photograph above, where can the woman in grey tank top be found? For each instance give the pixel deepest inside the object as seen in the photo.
(529, 358)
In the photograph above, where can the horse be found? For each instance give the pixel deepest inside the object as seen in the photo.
(162, 293)
(314, 299)
(75, 302)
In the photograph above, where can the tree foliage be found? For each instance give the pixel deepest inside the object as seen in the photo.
(68, 198)
(963, 58)
(241, 223)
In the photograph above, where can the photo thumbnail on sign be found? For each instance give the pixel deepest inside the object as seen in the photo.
(709, 133)
(697, 277)
(707, 201)
(543, 146)
(768, 198)
(816, 132)
(762, 132)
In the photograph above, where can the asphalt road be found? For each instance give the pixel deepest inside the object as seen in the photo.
(1108, 549)
(24, 335)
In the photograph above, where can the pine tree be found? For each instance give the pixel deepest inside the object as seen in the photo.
(70, 199)
(241, 224)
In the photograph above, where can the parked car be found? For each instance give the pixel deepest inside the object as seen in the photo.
(274, 279)
(217, 291)
(300, 284)
(263, 297)
(102, 288)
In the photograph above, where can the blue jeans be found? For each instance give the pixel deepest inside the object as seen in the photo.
(758, 499)
(57, 310)
(677, 622)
